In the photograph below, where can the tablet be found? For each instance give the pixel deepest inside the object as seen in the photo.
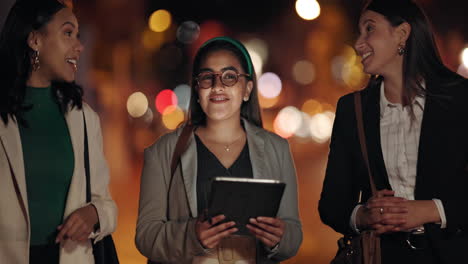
(240, 199)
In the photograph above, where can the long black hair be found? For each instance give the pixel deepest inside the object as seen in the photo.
(25, 17)
(421, 61)
(250, 110)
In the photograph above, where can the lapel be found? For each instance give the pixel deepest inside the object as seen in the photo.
(74, 119)
(11, 141)
(371, 118)
(256, 149)
(434, 136)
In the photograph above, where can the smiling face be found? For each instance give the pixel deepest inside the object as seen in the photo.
(59, 48)
(378, 44)
(222, 102)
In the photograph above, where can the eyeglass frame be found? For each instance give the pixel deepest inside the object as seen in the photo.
(216, 74)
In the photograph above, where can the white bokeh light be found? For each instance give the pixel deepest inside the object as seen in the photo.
(256, 61)
(269, 85)
(137, 104)
(321, 126)
(464, 57)
(308, 9)
(288, 121)
(259, 46)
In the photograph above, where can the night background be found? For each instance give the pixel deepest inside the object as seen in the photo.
(137, 80)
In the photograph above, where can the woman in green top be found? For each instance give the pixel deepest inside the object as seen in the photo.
(44, 215)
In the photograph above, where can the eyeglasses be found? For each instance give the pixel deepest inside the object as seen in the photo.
(228, 78)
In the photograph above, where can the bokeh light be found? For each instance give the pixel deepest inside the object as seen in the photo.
(287, 121)
(304, 72)
(172, 117)
(165, 99)
(160, 20)
(137, 104)
(303, 131)
(188, 32)
(182, 92)
(152, 40)
(269, 85)
(321, 126)
(259, 46)
(267, 102)
(148, 116)
(256, 61)
(465, 57)
(308, 9)
(312, 107)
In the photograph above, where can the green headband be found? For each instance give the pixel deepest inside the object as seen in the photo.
(239, 46)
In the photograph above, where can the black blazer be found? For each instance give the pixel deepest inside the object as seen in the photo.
(442, 169)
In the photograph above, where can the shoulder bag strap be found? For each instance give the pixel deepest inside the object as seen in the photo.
(362, 138)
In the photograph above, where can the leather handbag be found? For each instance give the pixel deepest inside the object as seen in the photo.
(363, 248)
(104, 250)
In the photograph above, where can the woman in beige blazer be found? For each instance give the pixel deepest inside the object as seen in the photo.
(227, 139)
(44, 216)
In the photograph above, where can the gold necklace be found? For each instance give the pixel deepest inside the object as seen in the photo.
(227, 148)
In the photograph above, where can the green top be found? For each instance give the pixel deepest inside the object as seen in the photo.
(48, 162)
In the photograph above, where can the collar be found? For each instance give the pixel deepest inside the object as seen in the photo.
(385, 104)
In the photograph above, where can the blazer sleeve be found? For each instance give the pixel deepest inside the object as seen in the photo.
(157, 237)
(100, 195)
(340, 192)
(288, 210)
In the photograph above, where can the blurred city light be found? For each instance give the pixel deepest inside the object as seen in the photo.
(172, 117)
(148, 116)
(269, 85)
(312, 107)
(182, 92)
(308, 9)
(321, 126)
(137, 104)
(165, 99)
(259, 46)
(287, 122)
(160, 20)
(152, 40)
(303, 131)
(465, 57)
(304, 72)
(188, 32)
(267, 102)
(257, 61)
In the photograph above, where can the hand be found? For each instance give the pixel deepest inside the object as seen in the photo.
(419, 213)
(269, 230)
(78, 225)
(383, 213)
(209, 234)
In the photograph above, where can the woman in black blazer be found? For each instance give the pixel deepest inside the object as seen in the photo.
(416, 124)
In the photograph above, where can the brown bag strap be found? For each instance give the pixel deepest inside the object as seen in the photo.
(362, 138)
(370, 241)
(180, 147)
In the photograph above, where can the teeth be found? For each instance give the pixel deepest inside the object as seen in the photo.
(364, 56)
(218, 98)
(72, 61)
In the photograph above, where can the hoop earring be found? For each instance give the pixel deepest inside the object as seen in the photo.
(35, 61)
(401, 50)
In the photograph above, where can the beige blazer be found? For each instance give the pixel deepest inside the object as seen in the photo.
(166, 223)
(14, 217)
